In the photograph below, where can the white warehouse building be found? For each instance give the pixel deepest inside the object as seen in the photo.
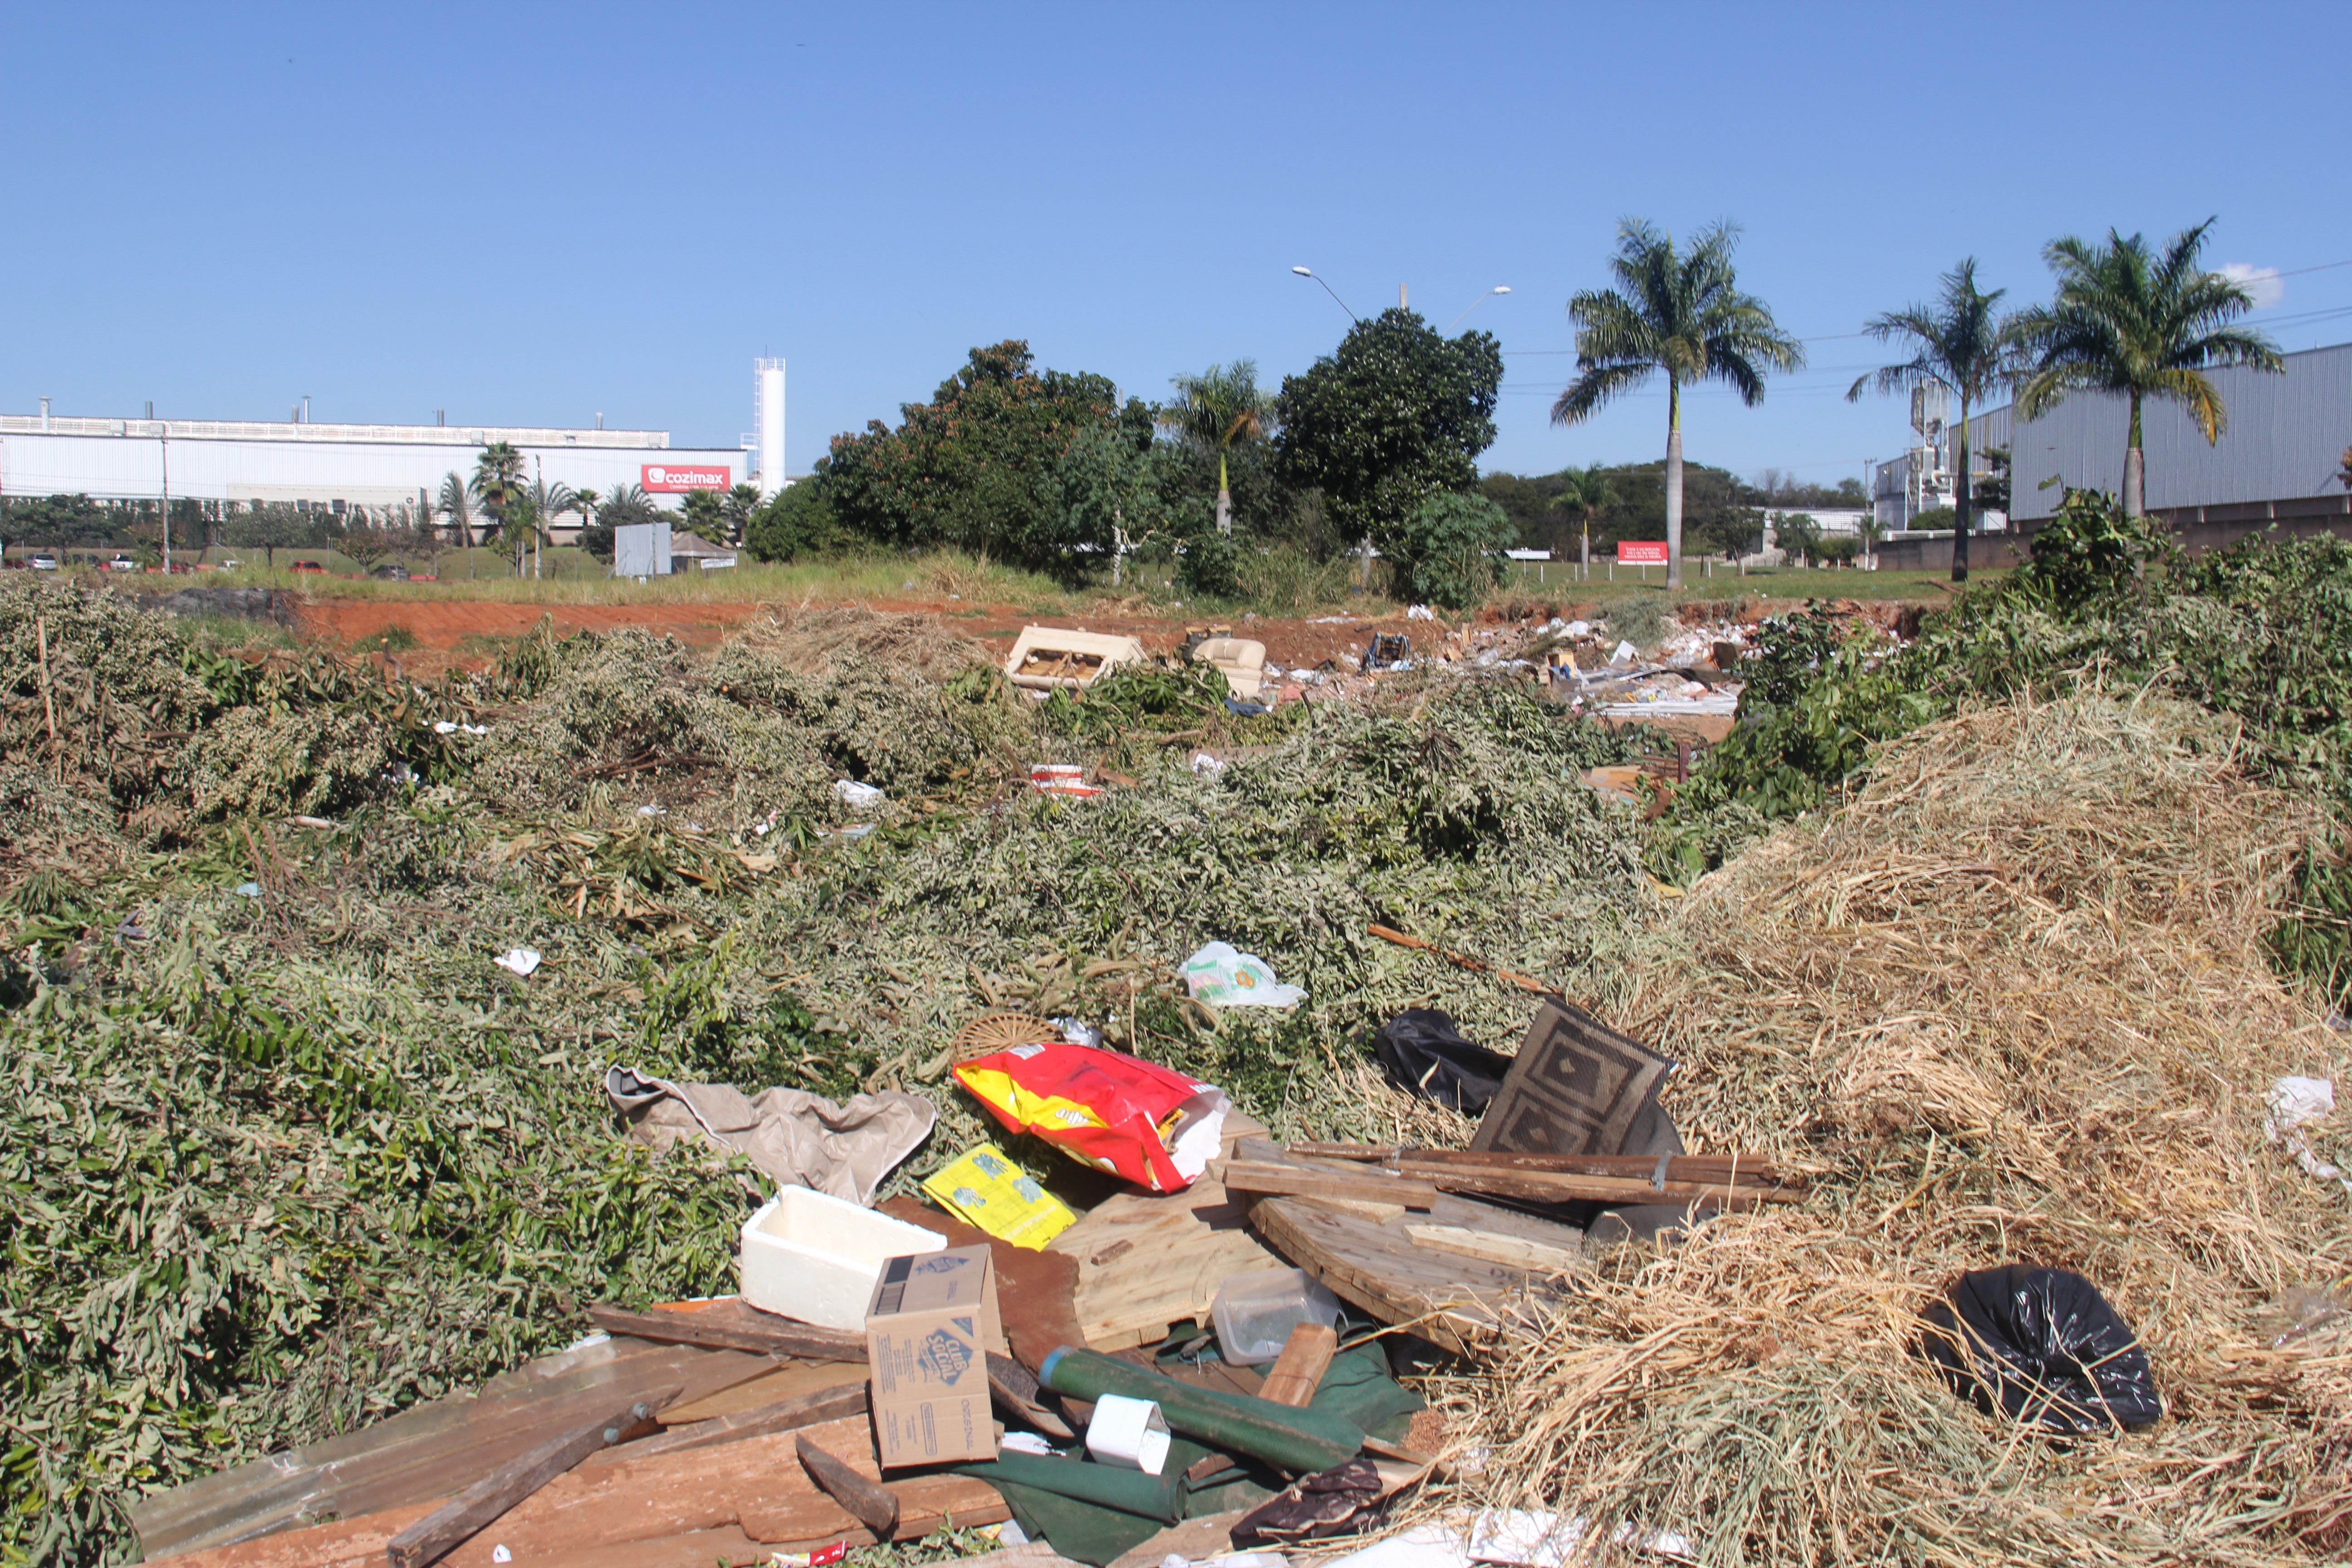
(350, 467)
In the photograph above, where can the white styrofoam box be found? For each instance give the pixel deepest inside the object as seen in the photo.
(814, 1256)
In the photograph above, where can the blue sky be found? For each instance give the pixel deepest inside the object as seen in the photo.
(526, 214)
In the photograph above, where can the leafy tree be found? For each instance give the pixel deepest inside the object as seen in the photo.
(796, 521)
(63, 522)
(498, 484)
(977, 467)
(1800, 533)
(1395, 415)
(1584, 495)
(1216, 411)
(737, 508)
(1961, 343)
(2145, 325)
(706, 515)
(1682, 314)
(365, 545)
(272, 528)
(1450, 551)
(456, 509)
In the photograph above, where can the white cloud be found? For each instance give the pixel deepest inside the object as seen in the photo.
(2263, 282)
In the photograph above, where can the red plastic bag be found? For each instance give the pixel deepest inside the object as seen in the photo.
(1135, 1120)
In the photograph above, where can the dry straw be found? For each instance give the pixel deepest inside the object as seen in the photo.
(2013, 999)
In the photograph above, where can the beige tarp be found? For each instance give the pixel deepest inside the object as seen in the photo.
(793, 1135)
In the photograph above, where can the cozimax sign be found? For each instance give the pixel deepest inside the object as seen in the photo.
(671, 479)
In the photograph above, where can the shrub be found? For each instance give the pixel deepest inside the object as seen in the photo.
(1449, 552)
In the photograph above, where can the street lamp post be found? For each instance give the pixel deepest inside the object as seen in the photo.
(1497, 288)
(1304, 273)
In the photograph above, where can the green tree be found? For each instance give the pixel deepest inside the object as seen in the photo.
(364, 545)
(272, 528)
(1217, 411)
(2146, 325)
(1584, 495)
(1395, 415)
(1450, 551)
(1680, 313)
(548, 502)
(456, 509)
(796, 521)
(498, 484)
(977, 465)
(1962, 343)
(1800, 534)
(736, 510)
(706, 515)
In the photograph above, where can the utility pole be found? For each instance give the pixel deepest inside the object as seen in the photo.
(164, 447)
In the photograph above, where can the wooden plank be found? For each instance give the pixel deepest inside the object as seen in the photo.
(1455, 1301)
(491, 1499)
(1414, 1186)
(875, 1505)
(1509, 1250)
(779, 1336)
(1299, 1370)
(782, 1380)
(833, 1403)
(1180, 1249)
(1371, 1186)
(429, 1452)
(1747, 1169)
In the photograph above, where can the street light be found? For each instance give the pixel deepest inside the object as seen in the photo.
(1304, 273)
(1497, 288)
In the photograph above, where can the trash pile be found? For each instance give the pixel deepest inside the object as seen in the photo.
(606, 1137)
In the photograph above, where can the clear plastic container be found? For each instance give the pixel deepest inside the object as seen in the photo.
(1256, 1313)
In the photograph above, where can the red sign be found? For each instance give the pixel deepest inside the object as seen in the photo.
(674, 479)
(1641, 552)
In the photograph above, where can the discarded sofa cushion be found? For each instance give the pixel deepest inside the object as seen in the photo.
(1424, 1053)
(2042, 1347)
(793, 1135)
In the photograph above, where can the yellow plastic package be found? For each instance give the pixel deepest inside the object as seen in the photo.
(985, 1188)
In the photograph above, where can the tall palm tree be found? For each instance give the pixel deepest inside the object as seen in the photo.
(1585, 494)
(548, 502)
(2145, 325)
(1218, 410)
(1680, 312)
(1961, 343)
(454, 507)
(498, 480)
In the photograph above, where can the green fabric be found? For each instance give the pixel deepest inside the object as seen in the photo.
(1159, 1497)
(1358, 1386)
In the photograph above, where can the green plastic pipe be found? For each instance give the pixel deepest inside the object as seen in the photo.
(1303, 1442)
(1159, 1497)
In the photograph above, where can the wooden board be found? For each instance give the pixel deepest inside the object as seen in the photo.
(781, 1381)
(429, 1452)
(1146, 1261)
(741, 1500)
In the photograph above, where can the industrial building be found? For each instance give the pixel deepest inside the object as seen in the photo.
(2279, 466)
(348, 469)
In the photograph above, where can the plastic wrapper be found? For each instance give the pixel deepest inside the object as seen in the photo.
(2042, 1347)
(1224, 977)
(1425, 1055)
(1133, 1119)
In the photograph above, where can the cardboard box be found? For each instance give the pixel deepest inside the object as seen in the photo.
(928, 1328)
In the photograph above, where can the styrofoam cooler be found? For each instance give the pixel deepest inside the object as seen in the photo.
(811, 1256)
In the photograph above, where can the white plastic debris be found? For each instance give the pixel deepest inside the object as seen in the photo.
(1625, 653)
(1420, 613)
(1026, 1443)
(443, 727)
(520, 960)
(1579, 628)
(1077, 1031)
(248, 889)
(1205, 766)
(856, 796)
(499, 1553)
(2296, 1103)
(653, 809)
(1223, 976)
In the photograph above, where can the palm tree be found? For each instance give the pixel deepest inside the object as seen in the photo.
(453, 507)
(1218, 410)
(1680, 313)
(2144, 325)
(738, 506)
(498, 484)
(1964, 345)
(548, 502)
(1585, 494)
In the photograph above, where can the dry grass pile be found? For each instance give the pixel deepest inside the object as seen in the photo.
(2012, 999)
(813, 638)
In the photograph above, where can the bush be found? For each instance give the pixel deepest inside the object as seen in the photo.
(797, 522)
(1449, 552)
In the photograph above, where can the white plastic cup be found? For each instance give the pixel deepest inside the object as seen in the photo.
(1131, 1433)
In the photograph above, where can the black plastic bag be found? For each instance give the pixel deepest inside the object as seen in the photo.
(2041, 1346)
(1425, 1055)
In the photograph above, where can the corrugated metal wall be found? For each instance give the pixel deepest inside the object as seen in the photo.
(2285, 439)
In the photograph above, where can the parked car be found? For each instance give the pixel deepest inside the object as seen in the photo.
(228, 565)
(391, 571)
(45, 563)
(122, 564)
(306, 567)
